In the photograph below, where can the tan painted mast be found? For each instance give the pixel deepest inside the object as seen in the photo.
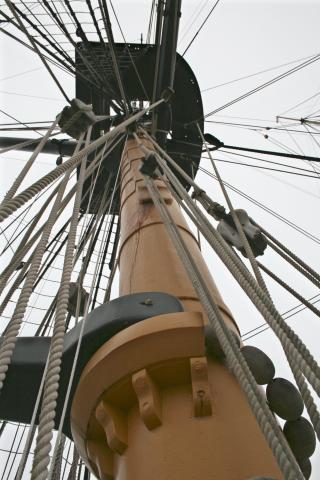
(150, 404)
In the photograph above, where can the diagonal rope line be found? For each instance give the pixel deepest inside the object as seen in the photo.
(236, 362)
(35, 47)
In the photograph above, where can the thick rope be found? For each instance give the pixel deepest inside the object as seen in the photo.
(19, 200)
(14, 286)
(16, 184)
(105, 204)
(13, 328)
(291, 343)
(41, 458)
(24, 248)
(236, 361)
(308, 400)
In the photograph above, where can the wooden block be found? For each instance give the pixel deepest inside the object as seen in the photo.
(202, 406)
(149, 399)
(114, 422)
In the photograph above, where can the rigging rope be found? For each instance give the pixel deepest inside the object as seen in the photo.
(46, 420)
(35, 47)
(10, 337)
(200, 28)
(260, 87)
(236, 361)
(288, 338)
(20, 199)
(16, 184)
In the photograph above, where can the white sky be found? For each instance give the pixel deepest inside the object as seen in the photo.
(241, 38)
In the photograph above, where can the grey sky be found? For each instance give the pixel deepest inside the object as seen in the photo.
(241, 38)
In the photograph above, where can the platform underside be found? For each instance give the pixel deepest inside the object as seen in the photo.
(137, 66)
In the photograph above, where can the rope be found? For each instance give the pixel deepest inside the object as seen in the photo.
(32, 428)
(200, 28)
(11, 192)
(235, 218)
(236, 361)
(15, 285)
(25, 246)
(307, 397)
(58, 459)
(290, 290)
(73, 469)
(104, 204)
(288, 338)
(35, 47)
(293, 259)
(19, 200)
(10, 337)
(41, 458)
(106, 20)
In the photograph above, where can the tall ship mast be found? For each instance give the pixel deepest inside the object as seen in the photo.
(129, 265)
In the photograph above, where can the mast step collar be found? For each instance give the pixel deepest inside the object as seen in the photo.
(77, 118)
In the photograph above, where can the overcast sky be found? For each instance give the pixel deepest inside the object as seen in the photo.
(240, 39)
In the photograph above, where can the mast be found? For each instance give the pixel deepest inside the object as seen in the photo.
(151, 402)
(156, 396)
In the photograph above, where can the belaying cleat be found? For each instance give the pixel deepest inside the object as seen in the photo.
(229, 232)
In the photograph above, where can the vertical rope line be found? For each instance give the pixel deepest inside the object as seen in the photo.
(10, 337)
(32, 428)
(57, 461)
(76, 355)
(73, 469)
(46, 420)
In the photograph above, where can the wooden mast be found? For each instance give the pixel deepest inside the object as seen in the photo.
(150, 404)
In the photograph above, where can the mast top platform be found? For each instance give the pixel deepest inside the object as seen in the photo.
(137, 64)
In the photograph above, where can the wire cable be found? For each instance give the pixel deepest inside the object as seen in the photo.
(200, 28)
